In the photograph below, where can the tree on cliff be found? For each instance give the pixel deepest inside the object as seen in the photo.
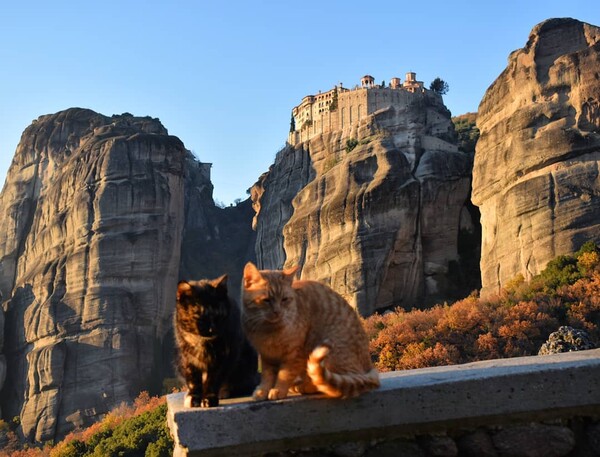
(439, 86)
(334, 101)
(292, 124)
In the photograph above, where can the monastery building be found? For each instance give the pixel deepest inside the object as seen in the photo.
(340, 107)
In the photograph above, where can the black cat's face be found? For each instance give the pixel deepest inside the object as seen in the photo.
(202, 306)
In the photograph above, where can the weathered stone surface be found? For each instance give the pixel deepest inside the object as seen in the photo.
(2, 358)
(566, 339)
(379, 223)
(417, 402)
(396, 448)
(351, 449)
(477, 444)
(535, 176)
(535, 440)
(592, 433)
(89, 256)
(438, 445)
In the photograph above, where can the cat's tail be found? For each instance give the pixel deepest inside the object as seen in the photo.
(335, 384)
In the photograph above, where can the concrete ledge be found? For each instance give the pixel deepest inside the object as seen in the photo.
(412, 401)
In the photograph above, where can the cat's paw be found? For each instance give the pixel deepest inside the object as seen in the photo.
(210, 402)
(260, 394)
(277, 394)
(191, 401)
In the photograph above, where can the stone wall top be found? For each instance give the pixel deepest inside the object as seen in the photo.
(412, 401)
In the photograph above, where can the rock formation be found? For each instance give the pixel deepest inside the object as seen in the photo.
(374, 209)
(216, 240)
(89, 259)
(536, 171)
(567, 339)
(103, 215)
(2, 358)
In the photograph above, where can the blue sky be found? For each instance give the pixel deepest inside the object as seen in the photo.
(224, 76)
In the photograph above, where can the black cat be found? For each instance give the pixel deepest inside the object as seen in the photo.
(215, 359)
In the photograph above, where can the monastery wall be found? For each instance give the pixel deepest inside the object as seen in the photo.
(314, 116)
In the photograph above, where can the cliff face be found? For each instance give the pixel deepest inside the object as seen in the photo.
(216, 240)
(2, 358)
(380, 222)
(535, 176)
(89, 256)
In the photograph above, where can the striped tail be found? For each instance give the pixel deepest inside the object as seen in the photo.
(338, 385)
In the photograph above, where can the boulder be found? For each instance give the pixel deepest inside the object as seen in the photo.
(535, 176)
(534, 440)
(566, 339)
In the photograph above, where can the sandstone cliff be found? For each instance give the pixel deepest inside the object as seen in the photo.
(379, 222)
(2, 358)
(89, 256)
(535, 176)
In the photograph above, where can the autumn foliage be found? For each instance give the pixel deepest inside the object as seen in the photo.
(514, 323)
(137, 429)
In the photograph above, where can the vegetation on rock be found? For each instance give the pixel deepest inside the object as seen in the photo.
(514, 323)
(128, 430)
(468, 133)
(334, 101)
(439, 86)
(351, 143)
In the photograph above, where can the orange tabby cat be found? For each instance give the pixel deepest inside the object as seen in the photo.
(308, 337)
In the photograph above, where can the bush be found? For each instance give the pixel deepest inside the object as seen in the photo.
(137, 430)
(560, 271)
(351, 143)
(516, 323)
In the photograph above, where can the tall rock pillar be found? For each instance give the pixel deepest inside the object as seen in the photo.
(536, 174)
(89, 258)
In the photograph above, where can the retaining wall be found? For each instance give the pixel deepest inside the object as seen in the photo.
(530, 406)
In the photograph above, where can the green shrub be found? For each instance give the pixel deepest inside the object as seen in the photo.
(351, 143)
(128, 430)
(560, 271)
(134, 436)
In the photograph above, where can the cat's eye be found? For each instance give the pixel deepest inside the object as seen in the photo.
(286, 300)
(260, 302)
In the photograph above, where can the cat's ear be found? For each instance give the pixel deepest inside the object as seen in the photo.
(289, 273)
(184, 289)
(252, 275)
(220, 284)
